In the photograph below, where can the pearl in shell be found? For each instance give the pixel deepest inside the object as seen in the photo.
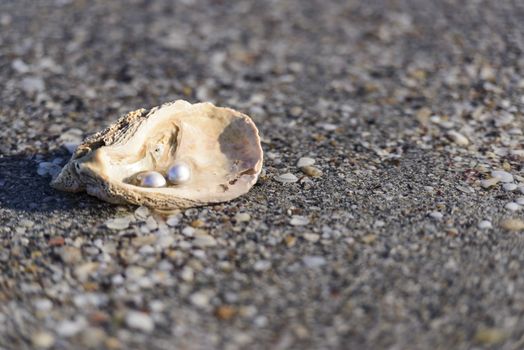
(151, 179)
(178, 173)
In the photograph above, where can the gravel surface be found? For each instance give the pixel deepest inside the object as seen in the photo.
(388, 215)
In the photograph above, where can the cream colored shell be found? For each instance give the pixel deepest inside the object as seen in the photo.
(221, 146)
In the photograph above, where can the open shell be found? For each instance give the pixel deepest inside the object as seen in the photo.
(220, 145)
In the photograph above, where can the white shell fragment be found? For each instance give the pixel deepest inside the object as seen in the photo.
(502, 175)
(118, 223)
(305, 161)
(458, 138)
(297, 220)
(286, 178)
(207, 154)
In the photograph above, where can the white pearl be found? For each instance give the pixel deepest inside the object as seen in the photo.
(178, 173)
(151, 179)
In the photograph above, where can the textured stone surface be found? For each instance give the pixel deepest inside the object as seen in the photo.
(368, 89)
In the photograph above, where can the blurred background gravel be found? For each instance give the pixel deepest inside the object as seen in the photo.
(401, 236)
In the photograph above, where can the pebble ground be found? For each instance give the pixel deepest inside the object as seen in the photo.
(400, 228)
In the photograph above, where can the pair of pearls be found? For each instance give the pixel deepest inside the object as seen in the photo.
(177, 174)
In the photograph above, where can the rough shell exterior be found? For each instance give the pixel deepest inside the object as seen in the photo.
(221, 145)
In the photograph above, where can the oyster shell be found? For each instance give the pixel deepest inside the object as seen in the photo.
(220, 145)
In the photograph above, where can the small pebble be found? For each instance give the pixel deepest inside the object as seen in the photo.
(286, 178)
(311, 237)
(118, 223)
(43, 340)
(295, 111)
(71, 139)
(379, 223)
(48, 168)
(290, 240)
(520, 201)
(262, 265)
(70, 328)
(32, 85)
(71, 255)
(502, 175)
(311, 171)
(42, 171)
(146, 250)
(313, 261)
(517, 153)
(93, 337)
(165, 241)
(490, 336)
(113, 343)
(242, 217)
(484, 225)
(141, 213)
(27, 223)
(83, 271)
(509, 187)
(43, 304)
(512, 206)
(188, 231)
(56, 241)
(187, 274)
(225, 312)
(197, 223)
(199, 299)
(203, 241)
(173, 220)
(489, 182)
(436, 215)
(297, 220)
(328, 126)
(457, 138)
(140, 321)
(305, 161)
(513, 224)
(20, 66)
(369, 239)
(151, 223)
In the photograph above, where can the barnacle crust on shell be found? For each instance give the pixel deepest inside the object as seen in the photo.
(220, 145)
